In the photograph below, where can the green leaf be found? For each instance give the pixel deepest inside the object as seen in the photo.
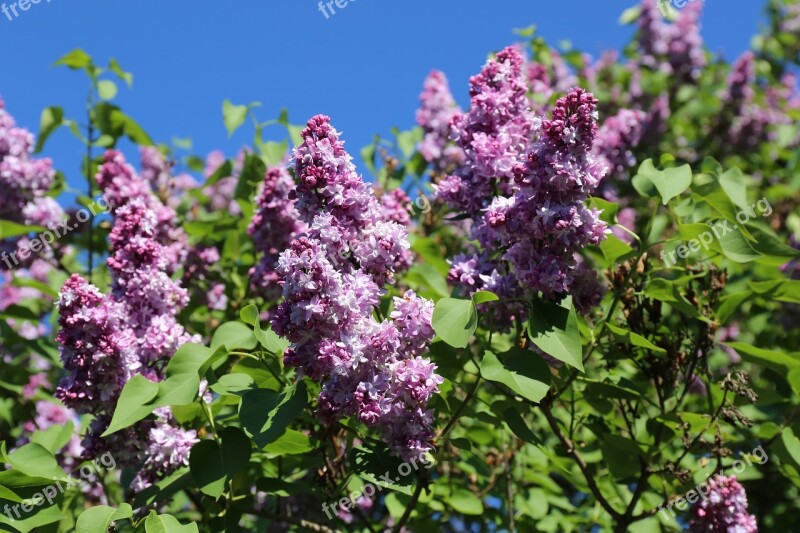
(131, 128)
(36, 521)
(484, 296)
(115, 67)
(106, 89)
(250, 315)
(267, 338)
(372, 464)
(290, 443)
(98, 519)
(252, 175)
(424, 276)
(165, 523)
(455, 320)
(12, 229)
(181, 389)
(207, 468)
(55, 437)
(212, 465)
(188, 359)
(52, 118)
(779, 361)
(669, 182)
(233, 116)
(522, 371)
(133, 404)
(634, 338)
(788, 447)
(36, 461)
(666, 291)
(429, 250)
(768, 243)
(630, 15)
(8, 494)
(553, 327)
(266, 414)
(465, 502)
(235, 384)
(620, 454)
(615, 250)
(234, 335)
(604, 390)
(734, 183)
(236, 450)
(709, 188)
(224, 171)
(736, 247)
(608, 210)
(515, 422)
(781, 290)
(77, 59)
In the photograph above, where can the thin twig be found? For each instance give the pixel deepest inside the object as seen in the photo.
(409, 508)
(575, 454)
(460, 408)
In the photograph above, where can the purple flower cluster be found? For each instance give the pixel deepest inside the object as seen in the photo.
(545, 81)
(107, 339)
(332, 277)
(168, 448)
(221, 194)
(25, 181)
(198, 275)
(396, 206)
(673, 48)
(121, 186)
(616, 139)
(495, 134)
(724, 509)
(437, 110)
(747, 120)
(273, 227)
(157, 171)
(152, 300)
(541, 227)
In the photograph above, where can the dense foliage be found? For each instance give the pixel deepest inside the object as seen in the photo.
(571, 306)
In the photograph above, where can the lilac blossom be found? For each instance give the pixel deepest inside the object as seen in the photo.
(368, 369)
(724, 508)
(25, 183)
(121, 185)
(396, 206)
(273, 227)
(541, 227)
(168, 449)
(617, 138)
(107, 339)
(437, 110)
(494, 134)
(675, 49)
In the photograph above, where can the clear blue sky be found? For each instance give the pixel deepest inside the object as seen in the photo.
(363, 66)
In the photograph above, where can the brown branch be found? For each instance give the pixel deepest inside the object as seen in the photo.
(409, 508)
(575, 454)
